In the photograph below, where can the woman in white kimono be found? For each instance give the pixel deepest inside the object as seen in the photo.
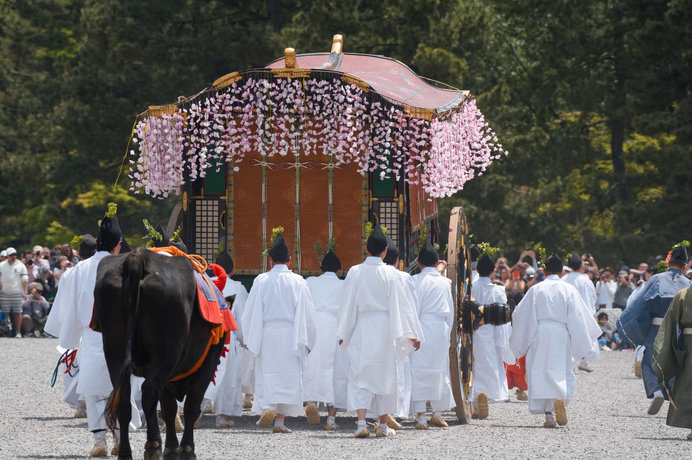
(490, 345)
(551, 326)
(279, 330)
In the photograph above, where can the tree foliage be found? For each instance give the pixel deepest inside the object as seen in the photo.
(591, 99)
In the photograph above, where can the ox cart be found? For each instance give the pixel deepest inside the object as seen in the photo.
(320, 144)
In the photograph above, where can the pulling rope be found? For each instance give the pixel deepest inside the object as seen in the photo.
(199, 263)
(68, 359)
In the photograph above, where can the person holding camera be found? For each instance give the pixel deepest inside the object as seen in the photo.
(14, 280)
(31, 267)
(623, 291)
(34, 310)
(502, 275)
(605, 289)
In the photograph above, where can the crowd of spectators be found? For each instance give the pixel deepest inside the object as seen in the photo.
(28, 284)
(612, 292)
(34, 279)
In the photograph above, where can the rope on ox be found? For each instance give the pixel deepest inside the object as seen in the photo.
(200, 265)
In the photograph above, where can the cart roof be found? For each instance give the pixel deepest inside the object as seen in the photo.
(390, 78)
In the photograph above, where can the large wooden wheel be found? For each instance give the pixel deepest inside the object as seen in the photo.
(461, 341)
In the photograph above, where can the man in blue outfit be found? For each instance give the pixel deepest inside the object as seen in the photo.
(643, 317)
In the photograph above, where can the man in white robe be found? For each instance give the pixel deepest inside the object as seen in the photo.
(245, 359)
(580, 280)
(403, 366)
(224, 394)
(94, 384)
(430, 379)
(551, 326)
(279, 330)
(322, 368)
(87, 248)
(378, 325)
(490, 345)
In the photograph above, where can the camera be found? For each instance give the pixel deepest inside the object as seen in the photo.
(30, 261)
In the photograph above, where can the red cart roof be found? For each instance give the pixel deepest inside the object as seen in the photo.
(390, 78)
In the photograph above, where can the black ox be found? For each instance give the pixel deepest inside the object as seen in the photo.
(145, 306)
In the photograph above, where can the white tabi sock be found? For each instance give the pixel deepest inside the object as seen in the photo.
(422, 420)
(658, 394)
(383, 426)
(331, 419)
(437, 414)
(278, 422)
(100, 435)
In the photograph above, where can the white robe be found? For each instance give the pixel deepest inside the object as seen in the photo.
(246, 360)
(279, 329)
(430, 380)
(376, 322)
(587, 291)
(404, 384)
(551, 326)
(319, 366)
(225, 393)
(74, 317)
(585, 287)
(53, 326)
(75, 332)
(490, 347)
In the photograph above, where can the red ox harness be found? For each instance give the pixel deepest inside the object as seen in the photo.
(213, 309)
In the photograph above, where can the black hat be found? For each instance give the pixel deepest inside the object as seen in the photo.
(486, 265)
(109, 234)
(392, 252)
(575, 261)
(679, 254)
(164, 241)
(330, 262)
(87, 247)
(279, 251)
(225, 261)
(554, 264)
(179, 244)
(474, 253)
(377, 242)
(428, 255)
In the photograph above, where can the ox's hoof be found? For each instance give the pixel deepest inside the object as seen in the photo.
(186, 452)
(152, 450)
(171, 453)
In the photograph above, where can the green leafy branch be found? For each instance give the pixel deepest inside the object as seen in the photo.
(76, 241)
(485, 248)
(331, 245)
(369, 228)
(151, 234)
(683, 243)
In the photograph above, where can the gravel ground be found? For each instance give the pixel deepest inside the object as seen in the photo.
(607, 419)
